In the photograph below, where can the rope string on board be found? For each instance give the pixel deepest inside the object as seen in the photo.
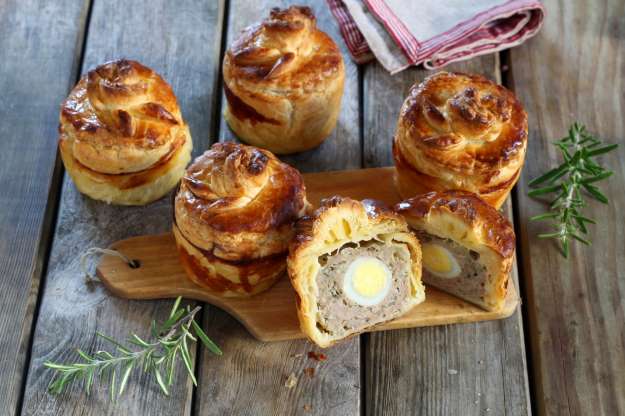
(91, 277)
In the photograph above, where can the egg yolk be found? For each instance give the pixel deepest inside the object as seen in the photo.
(369, 278)
(436, 259)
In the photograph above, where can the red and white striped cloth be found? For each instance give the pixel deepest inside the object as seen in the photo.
(402, 33)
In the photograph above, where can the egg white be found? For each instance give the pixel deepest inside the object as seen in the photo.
(348, 284)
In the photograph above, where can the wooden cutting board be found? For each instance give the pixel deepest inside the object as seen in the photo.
(271, 316)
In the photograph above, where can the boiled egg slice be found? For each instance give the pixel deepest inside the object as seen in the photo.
(367, 281)
(439, 261)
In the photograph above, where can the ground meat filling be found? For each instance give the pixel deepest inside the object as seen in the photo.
(469, 284)
(338, 314)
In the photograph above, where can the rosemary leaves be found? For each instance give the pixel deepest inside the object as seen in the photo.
(158, 356)
(571, 182)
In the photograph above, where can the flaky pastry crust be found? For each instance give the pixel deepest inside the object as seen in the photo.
(468, 220)
(283, 80)
(122, 137)
(234, 215)
(228, 278)
(460, 131)
(336, 222)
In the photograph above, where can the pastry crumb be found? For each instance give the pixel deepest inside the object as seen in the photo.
(310, 372)
(452, 372)
(291, 381)
(318, 356)
(307, 408)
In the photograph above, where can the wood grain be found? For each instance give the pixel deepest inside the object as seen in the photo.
(251, 375)
(575, 70)
(38, 65)
(180, 41)
(271, 315)
(466, 369)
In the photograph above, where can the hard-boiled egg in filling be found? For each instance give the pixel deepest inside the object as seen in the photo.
(367, 281)
(439, 261)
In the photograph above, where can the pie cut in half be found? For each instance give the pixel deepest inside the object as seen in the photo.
(353, 265)
(467, 245)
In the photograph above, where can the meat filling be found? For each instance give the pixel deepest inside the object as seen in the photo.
(338, 313)
(470, 282)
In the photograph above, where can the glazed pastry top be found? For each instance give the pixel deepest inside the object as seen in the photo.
(122, 117)
(240, 202)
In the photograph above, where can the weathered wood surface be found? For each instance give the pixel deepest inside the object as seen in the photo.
(575, 70)
(467, 369)
(572, 70)
(250, 377)
(180, 41)
(39, 59)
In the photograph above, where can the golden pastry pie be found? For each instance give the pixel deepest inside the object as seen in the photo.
(283, 80)
(122, 137)
(467, 245)
(459, 131)
(353, 265)
(234, 215)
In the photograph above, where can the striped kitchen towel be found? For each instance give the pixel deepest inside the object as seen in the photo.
(402, 33)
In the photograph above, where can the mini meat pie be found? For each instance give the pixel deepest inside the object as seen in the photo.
(458, 131)
(467, 245)
(283, 80)
(234, 215)
(122, 137)
(353, 265)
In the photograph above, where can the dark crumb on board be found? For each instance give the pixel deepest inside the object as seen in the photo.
(318, 356)
(310, 372)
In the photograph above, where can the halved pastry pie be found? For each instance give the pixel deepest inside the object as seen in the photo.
(122, 137)
(234, 216)
(460, 131)
(467, 245)
(283, 80)
(353, 265)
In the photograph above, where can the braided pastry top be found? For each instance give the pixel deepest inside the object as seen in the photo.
(122, 117)
(464, 129)
(239, 202)
(285, 51)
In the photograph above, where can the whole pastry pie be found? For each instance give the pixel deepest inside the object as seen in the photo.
(122, 137)
(283, 80)
(234, 215)
(467, 245)
(353, 265)
(459, 131)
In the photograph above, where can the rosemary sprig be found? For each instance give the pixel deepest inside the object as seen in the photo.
(158, 357)
(577, 173)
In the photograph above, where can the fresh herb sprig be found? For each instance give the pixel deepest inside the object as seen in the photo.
(158, 357)
(579, 172)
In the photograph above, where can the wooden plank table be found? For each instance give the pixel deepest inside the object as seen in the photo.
(572, 317)
(576, 70)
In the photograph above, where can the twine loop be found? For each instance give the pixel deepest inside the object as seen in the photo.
(90, 277)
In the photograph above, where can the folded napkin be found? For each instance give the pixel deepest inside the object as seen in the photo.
(401, 33)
